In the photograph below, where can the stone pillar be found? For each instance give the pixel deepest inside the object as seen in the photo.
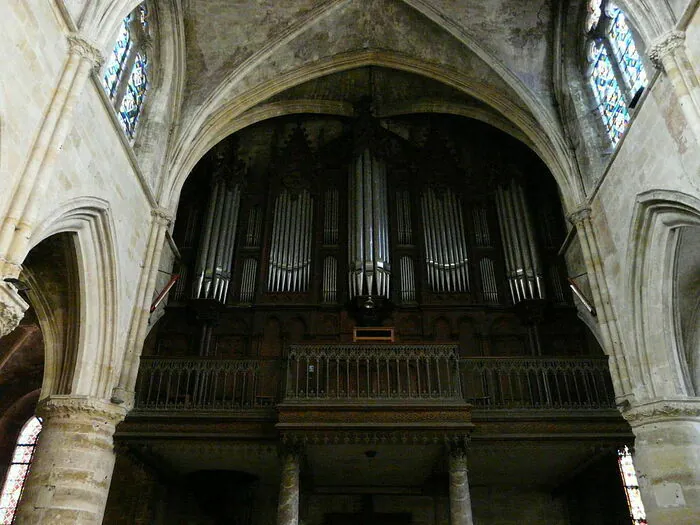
(607, 320)
(667, 459)
(668, 54)
(460, 498)
(288, 506)
(72, 466)
(35, 179)
(12, 308)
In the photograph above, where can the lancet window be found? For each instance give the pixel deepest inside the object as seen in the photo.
(615, 68)
(631, 486)
(19, 469)
(125, 76)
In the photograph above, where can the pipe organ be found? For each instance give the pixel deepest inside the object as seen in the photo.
(445, 243)
(290, 248)
(213, 267)
(523, 268)
(453, 238)
(368, 221)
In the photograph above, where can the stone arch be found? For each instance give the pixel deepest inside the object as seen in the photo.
(208, 128)
(659, 218)
(94, 351)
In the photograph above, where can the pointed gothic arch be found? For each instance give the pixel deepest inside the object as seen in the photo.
(659, 216)
(94, 351)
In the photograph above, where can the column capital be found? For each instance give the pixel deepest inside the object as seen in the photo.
(580, 215)
(663, 410)
(665, 45)
(69, 407)
(85, 48)
(162, 215)
(12, 308)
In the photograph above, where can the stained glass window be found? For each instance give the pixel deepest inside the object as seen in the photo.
(125, 77)
(132, 102)
(611, 102)
(117, 59)
(616, 71)
(631, 486)
(625, 50)
(19, 468)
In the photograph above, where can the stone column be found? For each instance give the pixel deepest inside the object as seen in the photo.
(288, 507)
(668, 54)
(35, 179)
(607, 320)
(12, 308)
(460, 498)
(667, 459)
(72, 466)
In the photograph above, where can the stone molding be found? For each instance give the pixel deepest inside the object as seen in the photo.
(394, 437)
(663, 410)
(665, 45)
(69, 407)
(162, 216)
(12, 308)
(83, 47)
(580, 215)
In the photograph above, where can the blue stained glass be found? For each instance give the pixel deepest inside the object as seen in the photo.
(611, 102)
(143, 16)
(115, 65)
(625, 50)
(132, 102)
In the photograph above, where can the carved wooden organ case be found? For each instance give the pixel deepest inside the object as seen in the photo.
(431, 221)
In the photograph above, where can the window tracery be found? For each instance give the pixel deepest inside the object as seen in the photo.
(616, 72)
(19, 469)
(125, 78)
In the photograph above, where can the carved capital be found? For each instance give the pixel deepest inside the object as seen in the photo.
(80, 408)
(580, 215)
(662, 410)
(664, 46)
(12, 308)
(162, 215)
(83, 47)
(457, 453)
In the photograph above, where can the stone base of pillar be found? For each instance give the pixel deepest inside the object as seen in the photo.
(72, 466)
(12, 308)
(667, 460)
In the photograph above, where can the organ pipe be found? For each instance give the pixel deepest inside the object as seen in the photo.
(250, 269)
(488, 281)
(523, 266)
(330, 280)
(330, 219)
(214, 259)
(370, 269)
(290, 252)
(445, 241)
(403, 215)
(408, 284)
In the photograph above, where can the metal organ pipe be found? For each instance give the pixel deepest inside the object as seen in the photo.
(290, 253)
(369, 227)
(521, 253)
(213, 268)
(445, 241)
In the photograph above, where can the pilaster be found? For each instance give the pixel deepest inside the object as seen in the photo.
(18, 224)
(619, 369)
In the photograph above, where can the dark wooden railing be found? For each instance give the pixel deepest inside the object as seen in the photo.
(206, 384)
(374, 373)
(363, 372)
(537, 383)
